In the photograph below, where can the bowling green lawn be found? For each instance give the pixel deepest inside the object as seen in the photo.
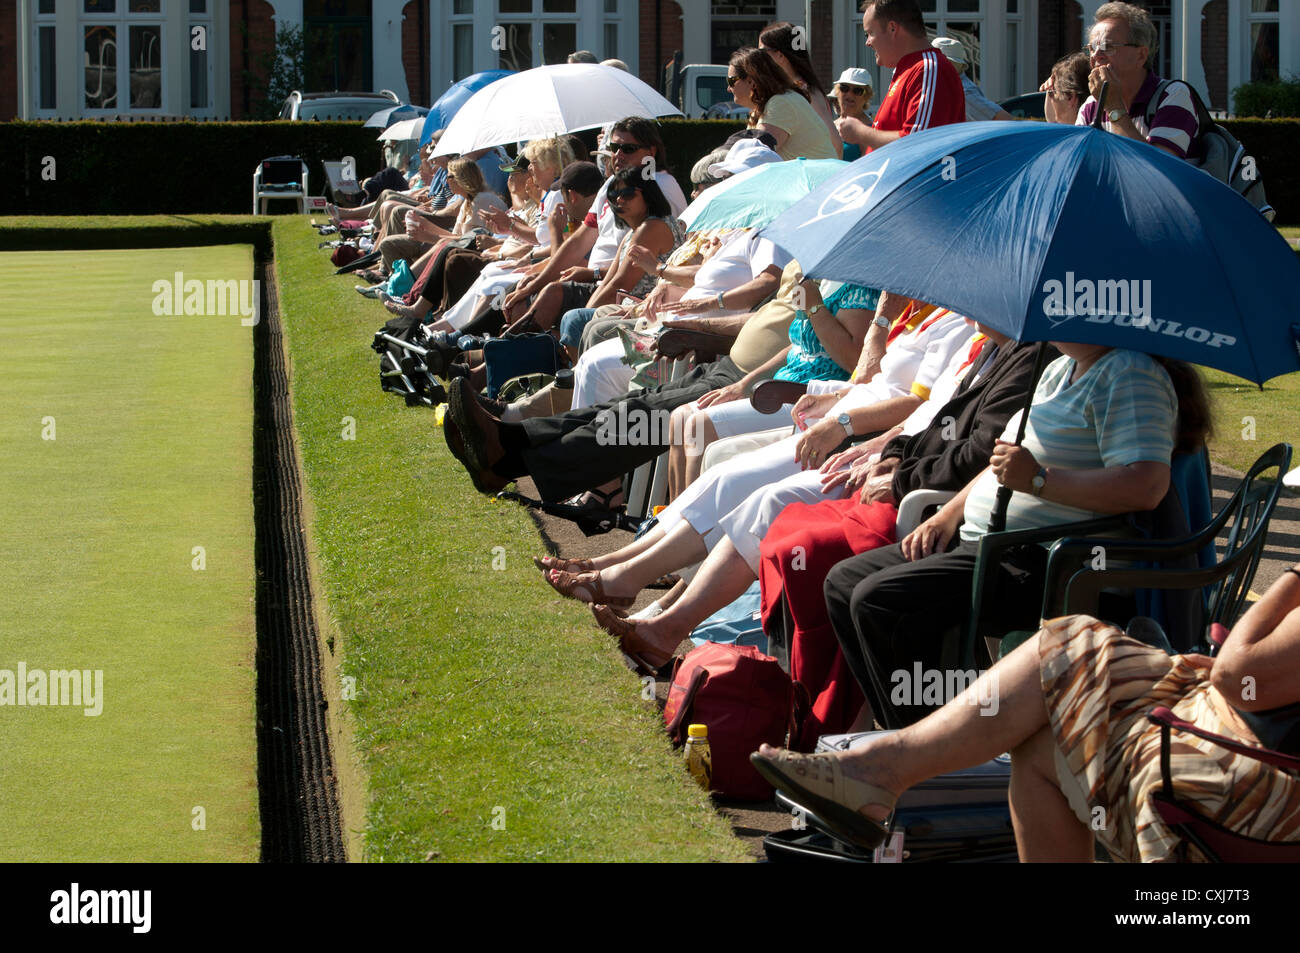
(126, 550)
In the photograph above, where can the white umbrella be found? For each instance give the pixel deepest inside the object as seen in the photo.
(406, 129)
(549, 101)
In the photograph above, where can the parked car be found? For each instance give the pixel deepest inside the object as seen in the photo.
(1027, 106)
(704, 93)
(336, 106)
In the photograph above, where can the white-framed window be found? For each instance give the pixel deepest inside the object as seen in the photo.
(962, 20)
(121, 42)
(199, 33)
(536, 32)
(1015, 23)
(1262, 37)
(45, 62)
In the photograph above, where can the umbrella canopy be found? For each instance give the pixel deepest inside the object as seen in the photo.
(457, 95)
(550, 101)
(755, 197)
(1048, 232)
(405, 129)
(386, 117)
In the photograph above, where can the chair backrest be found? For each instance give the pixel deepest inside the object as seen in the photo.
(282, 170)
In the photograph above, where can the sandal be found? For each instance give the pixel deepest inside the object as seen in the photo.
(589, 584)
(624, 630)
(547, 563)
(818, 783)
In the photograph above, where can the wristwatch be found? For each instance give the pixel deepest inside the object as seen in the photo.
(1039, 480)
(880, 321)
(815, 308)
(846, 423)
(1114, 114)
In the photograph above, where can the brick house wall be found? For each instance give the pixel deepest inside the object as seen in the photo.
(821, 46)
(415, 50)
(1214, 52)
(247, 47)
(8, 62)
(1060, 31)
(669, 30)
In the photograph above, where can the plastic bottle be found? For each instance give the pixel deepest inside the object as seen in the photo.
(699, 759)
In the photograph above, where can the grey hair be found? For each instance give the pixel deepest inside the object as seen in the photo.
(700, 173)
(1140, 28)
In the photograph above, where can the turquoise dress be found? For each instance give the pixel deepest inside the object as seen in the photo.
(808, 360)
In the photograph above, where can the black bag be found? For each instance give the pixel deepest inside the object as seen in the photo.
(521, 354)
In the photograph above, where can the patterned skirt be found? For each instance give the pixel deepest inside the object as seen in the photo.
(1098, 685)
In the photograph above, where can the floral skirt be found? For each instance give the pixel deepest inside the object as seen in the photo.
(1099, 685)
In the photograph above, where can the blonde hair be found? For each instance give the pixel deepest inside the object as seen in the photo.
(469, 175)
(555, 153)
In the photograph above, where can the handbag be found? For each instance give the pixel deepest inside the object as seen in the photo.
(745, 699)
(400, 281)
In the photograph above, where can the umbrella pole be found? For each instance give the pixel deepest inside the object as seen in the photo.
(998, 518)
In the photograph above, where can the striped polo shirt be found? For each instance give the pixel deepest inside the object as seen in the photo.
(1121, 411)
(1174, 124)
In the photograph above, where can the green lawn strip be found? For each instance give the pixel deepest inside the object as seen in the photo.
(481, 696)
(1248, 420)
(151, 457)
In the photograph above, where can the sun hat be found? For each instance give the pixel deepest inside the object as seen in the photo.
(745, 154)
(953, 49)
(854, 76)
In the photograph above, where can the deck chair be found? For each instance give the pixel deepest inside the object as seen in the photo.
(342, 188)
(280, 177)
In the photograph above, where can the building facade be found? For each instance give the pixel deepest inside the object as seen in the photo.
(76, 59)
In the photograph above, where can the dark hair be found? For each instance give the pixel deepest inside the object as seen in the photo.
(656, 205)
(580, 151)
(780, 37)
(1195, 414)
(767, 78)
(582, 177)
(646, 132)
(1070, 75)
(906, 13)
(766, 138)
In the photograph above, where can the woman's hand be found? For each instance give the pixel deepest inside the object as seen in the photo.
(1013, 466)
(809, 406)
(932, 536)
(723, 395)
(685, 308)
(643, 258)
(498, 219)
(817, 443)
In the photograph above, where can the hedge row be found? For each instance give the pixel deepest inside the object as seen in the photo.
(176, 168)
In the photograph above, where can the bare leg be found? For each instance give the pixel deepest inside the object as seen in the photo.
(1046, 828)
(677, 451)
(634, 548)
(679, 548)
(703, 433)
(417, 310)
(721, 580)
(545, 310)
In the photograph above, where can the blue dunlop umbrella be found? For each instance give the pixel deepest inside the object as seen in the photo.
(1065, 233)
(457, 95)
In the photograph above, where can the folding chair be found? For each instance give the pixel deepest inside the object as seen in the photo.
(280, 177)
(341, 183)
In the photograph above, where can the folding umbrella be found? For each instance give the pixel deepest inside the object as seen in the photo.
(457, 95)
(549, 101)
(404, 129)
(391, 114)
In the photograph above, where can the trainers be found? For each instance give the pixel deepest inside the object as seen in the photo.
(370, 291)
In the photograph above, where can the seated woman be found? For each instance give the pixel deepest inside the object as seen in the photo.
(777, 107)
(852, 95)
(1072, 706)
(778, 40)
(826, 339)
(694, 523)
(1101, 431)
(1067, 88)
(466, 179)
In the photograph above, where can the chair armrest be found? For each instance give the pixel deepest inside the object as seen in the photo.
(676, 342)
(771, 395)
(1167, 719)
(911, 512)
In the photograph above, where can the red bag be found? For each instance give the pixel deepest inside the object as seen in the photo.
(345, 254)
(744, 698)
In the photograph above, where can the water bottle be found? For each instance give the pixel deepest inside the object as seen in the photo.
(699, 760)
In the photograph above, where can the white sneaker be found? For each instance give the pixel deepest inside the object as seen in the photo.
(370, 291)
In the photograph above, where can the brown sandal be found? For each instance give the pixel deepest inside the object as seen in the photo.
(624, 630)
(547, 563)
(588, 584)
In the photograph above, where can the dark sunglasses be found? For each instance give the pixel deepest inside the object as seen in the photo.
(849, 87)
(627, 148)
(624, 193)
(733, 80)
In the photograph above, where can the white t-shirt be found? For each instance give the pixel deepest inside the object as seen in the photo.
(609, 235)
(913, 362)
(549, 201)
(742, 257)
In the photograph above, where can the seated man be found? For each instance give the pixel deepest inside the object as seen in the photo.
(572, 452)
(1122, 44)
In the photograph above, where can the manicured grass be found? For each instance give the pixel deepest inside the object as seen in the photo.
(1248, 420)
(495, 720)
(126, 441)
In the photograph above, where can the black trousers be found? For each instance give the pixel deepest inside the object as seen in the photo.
(890, 614)
(590, 446)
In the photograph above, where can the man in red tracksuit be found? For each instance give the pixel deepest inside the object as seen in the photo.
(925, 92)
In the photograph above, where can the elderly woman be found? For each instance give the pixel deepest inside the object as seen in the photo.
(1072, 706)
(777, 107)
(851, 95)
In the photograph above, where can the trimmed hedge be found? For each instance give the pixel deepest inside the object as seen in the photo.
(207, 167)
(1281, 98)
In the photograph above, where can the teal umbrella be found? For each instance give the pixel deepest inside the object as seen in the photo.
(753, 198)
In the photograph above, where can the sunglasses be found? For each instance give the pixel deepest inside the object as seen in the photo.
(733, 80)
(849, 88)
(624, 193)
(627, 148)
(1105, 47)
